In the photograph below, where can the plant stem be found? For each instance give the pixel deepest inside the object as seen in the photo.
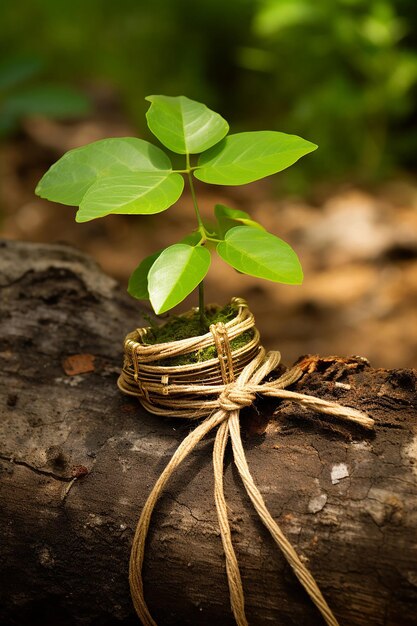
(194, 197)
(203, 319)
(201, 307)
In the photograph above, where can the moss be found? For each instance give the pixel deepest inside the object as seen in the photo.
(181, 327)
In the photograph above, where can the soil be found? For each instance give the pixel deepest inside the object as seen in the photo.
(358, 248)
(181, 327)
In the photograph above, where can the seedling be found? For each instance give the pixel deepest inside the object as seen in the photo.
(132, 176)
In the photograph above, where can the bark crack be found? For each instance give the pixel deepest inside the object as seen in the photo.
(36, 470)
(15, 281)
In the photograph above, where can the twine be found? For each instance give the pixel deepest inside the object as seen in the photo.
(232, 381)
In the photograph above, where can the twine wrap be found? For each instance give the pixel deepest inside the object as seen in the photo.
(231, 381)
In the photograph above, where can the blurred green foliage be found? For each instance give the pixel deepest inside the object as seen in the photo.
(24, 93)
(342, 73)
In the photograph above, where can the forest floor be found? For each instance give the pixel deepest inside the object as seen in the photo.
(358, 249)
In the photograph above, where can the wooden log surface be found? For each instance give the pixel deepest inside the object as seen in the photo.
(78, 460)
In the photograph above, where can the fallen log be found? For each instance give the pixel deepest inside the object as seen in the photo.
(77, 461)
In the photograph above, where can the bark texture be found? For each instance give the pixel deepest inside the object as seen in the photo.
(78, 460)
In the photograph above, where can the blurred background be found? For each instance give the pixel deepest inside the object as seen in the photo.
(341, 73)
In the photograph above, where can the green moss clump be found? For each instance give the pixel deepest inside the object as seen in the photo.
(178, 328)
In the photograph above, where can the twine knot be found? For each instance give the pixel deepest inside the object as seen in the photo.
(234, 397)
(241, 382)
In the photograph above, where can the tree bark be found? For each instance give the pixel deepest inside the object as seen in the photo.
(78, 460)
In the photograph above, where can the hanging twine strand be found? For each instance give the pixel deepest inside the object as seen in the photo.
(230, 387)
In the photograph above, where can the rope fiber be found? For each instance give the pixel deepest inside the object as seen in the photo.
(220, 402)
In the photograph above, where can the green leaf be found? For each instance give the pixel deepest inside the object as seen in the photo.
(69, 178)
(175, 274)
(228, 217)
(245, 157)
(258, 253)
(192, 239)
(138, 193)
(138, 281)
(184, 125)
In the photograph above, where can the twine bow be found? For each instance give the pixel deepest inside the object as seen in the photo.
(232, 396)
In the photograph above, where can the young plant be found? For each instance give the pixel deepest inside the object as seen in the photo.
(132, 176)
